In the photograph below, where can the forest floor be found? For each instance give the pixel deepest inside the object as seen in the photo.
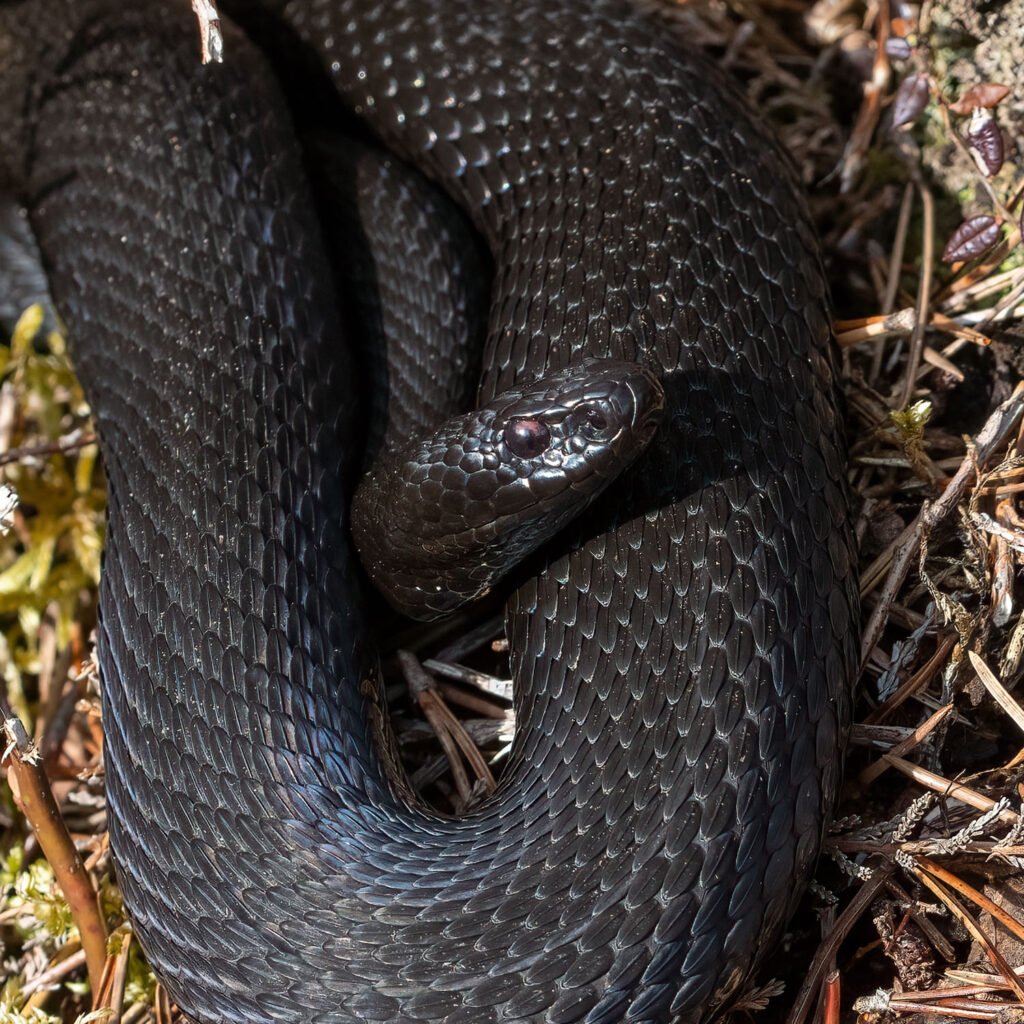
(903, 123)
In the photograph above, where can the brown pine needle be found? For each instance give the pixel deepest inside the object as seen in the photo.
(999, 692)
(110, 994)
(450, 731)
(960, 912)
(832, 1002)
(978, 981)
(162, 1000)
(963, 992)
(1011, 924)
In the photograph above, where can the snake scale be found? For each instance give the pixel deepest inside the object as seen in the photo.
(681, 667)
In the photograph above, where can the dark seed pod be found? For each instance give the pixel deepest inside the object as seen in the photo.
(911, 98)
(897, 48)
(971, 239)
(986, 141)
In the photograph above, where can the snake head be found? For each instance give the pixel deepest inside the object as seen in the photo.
(439, 520)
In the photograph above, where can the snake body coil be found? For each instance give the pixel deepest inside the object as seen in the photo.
(681, 670)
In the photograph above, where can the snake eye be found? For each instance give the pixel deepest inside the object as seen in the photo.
(526, 439)
(597, 419)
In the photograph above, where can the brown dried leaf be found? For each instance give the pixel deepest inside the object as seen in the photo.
(971, 239)
(987, 141)
(985, 94)
(901, 26)
(911, 98)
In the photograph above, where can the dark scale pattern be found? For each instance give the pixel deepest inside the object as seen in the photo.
(682, 670)
(415, 276)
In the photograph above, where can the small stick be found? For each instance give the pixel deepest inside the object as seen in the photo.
(501, 688)
(966, 991)
(967, 1011)
(871, 104)
(876, 768)
(29, 451)
(934, 936)
(991, 435)
(948, 788)
(892, 284)
(163, 1005)
(873, 574)
(874, 328)
(826, 951)
(979, 980)
(34, 796)
(110, 995)
(921, 678)
(981, 848)
(56, 973)
(472, 702)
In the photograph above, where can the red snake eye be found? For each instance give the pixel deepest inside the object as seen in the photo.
(526, 439)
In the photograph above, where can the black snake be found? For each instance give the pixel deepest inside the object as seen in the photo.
(681, 670)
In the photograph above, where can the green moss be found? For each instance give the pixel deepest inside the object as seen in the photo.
(52, 555)
(910, 422)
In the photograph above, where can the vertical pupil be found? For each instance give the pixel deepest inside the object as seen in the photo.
(526, 438)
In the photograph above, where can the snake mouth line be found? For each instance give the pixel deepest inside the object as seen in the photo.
(649, 401)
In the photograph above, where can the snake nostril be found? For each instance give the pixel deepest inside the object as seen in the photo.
(526, 438)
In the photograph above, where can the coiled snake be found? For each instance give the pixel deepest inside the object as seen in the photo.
(681, 666)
